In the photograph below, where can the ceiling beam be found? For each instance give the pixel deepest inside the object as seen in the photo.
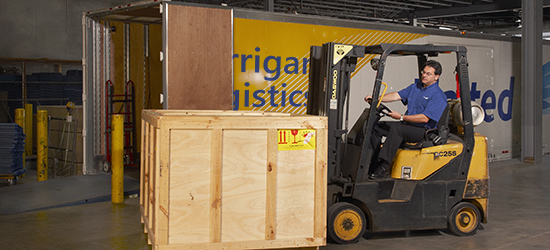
(392, 2)
(497, 6)
(460, 2)
(431, 2)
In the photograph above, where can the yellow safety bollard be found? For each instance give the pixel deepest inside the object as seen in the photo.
(42, 145)
(28, 129)
(117, 157)
(20, 120)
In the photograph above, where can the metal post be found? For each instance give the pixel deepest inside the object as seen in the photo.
(28, 129)
(104, 91)
(42, 145)
(269, 5)
(20, 120)
(87, 96)
(145, 64)
(531, 82)
(117, 157)
(127, 52)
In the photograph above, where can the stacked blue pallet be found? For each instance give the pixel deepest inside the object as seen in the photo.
(12, 84)
(12, 146)
(73, 86)
(42, 86)
(33, 87)
(51, 87)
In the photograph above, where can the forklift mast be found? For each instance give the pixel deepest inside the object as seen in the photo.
(330, 72)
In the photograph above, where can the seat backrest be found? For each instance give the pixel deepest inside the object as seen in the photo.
(445, 118)
(440, 135)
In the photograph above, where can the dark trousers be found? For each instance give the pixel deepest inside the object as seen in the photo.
(396, 132)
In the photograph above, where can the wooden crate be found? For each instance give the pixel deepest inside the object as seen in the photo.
(233, 180)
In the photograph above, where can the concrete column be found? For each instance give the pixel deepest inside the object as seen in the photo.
(531, 81)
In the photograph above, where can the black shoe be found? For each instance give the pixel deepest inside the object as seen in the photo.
(379, 174)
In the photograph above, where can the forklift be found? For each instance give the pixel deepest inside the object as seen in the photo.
(440, 182)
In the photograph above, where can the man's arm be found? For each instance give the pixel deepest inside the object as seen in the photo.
(418, 118)
(390, 97)
(394, 96)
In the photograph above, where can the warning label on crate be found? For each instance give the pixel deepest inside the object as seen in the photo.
(296, 139)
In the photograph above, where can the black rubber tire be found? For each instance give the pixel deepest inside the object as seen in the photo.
(346, 223)
(464, 219)
(105, 166)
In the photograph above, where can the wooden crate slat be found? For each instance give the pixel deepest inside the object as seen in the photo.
(321, 184)
(142, 166)
(216, 187)
(271, 195)
(154, 193)
(301, 244)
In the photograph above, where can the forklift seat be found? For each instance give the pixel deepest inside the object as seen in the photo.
(434, 136)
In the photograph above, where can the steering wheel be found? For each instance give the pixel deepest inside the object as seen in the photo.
(382, 109)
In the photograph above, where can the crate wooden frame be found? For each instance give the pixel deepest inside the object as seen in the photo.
(160, 219)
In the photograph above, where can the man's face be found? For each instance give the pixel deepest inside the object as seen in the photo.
(428, 76)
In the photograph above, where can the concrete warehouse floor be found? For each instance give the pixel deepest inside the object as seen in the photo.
(519, 218)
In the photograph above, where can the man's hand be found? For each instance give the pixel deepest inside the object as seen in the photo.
(368, 99)
(394, 115)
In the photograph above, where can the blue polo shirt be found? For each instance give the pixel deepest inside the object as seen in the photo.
(430, 101)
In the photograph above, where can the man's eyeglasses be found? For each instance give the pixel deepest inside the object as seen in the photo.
(426, 73)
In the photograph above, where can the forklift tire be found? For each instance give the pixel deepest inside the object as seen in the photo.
(464, 219)
(346, 223)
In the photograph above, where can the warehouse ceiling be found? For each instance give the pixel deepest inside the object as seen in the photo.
(487, 16)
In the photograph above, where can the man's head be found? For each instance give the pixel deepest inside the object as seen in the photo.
(431, 72)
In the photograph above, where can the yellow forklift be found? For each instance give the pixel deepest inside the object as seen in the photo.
(440, 182)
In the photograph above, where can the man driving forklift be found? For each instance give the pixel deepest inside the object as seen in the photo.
(425, 103)
(440, 182)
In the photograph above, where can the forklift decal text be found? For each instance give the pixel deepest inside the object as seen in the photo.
(272, 65)
(333, 101)
(273, 97)
(444, 154)
(334, 80)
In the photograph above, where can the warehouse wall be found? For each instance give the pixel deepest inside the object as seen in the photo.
(45, 29)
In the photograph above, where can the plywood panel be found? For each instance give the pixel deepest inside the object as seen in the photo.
(189, 186)
(198, 58)
(244, 185)
(295, 193)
